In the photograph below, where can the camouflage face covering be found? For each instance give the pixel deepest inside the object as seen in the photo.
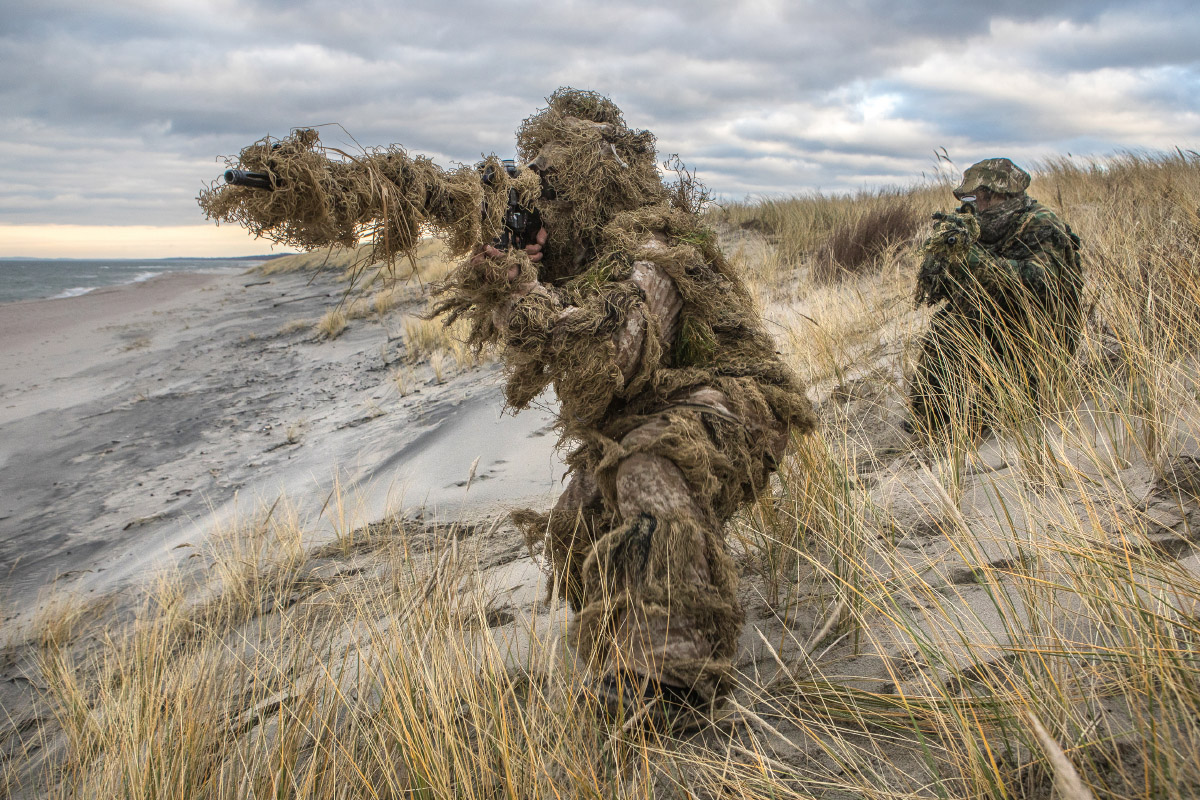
(999, 219)
(996, 175)
(593, 166)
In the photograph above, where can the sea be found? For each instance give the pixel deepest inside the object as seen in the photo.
(33, 278)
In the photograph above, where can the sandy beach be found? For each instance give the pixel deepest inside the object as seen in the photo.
(135, 419)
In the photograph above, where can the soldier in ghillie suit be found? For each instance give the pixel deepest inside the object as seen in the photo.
(675, 406)
(674, 403)
(1009, 272)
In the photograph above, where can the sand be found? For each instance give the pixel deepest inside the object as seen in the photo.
(137, 419)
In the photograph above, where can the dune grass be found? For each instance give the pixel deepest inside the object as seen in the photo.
(373, 291)
(844, 234)
(1010, 618)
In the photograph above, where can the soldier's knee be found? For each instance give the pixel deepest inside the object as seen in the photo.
(654, 485)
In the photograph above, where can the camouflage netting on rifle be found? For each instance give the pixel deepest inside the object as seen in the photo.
(945, 254)
(383, 195)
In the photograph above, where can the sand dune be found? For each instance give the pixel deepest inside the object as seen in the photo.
(135, 419)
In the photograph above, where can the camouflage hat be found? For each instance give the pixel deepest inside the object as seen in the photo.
(997, 175)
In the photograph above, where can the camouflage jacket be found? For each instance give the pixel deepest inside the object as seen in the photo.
(662, 314)
(1040, 251)
(1033, 257)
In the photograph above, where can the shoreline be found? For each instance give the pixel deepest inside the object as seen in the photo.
(50, 339)
(103, 301)
(32, 280)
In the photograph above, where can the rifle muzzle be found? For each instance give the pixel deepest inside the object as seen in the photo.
(243, 177)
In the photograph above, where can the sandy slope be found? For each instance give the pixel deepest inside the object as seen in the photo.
(133, 420)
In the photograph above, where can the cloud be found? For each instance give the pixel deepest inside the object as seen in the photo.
(114, 112)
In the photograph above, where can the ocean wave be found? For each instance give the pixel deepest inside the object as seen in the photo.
(46, 279)
(74, 291)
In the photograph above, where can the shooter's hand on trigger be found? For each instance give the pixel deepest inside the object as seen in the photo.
(533, 250)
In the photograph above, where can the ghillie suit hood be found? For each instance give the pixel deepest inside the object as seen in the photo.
(593, 168)
(605, 207)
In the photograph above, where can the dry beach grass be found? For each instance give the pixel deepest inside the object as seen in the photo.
(1011, 618)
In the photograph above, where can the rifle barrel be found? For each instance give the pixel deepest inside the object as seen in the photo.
(243, 177)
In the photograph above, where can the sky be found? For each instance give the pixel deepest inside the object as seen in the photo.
(114, 114)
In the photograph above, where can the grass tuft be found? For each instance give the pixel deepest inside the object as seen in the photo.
(332, 324)
(859, 243)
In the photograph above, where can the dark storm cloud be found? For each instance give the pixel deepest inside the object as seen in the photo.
(114, 111)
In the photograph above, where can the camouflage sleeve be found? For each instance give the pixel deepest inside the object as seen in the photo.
(991, 270)
(525, 317)
(661, 304)
(535, 316)
(592, 347)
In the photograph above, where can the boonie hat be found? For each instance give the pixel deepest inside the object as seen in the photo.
(997, 175)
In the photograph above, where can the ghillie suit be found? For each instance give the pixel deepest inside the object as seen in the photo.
(1011, 279)
(675, 406)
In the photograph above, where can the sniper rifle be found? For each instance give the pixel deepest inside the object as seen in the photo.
(521, 224)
